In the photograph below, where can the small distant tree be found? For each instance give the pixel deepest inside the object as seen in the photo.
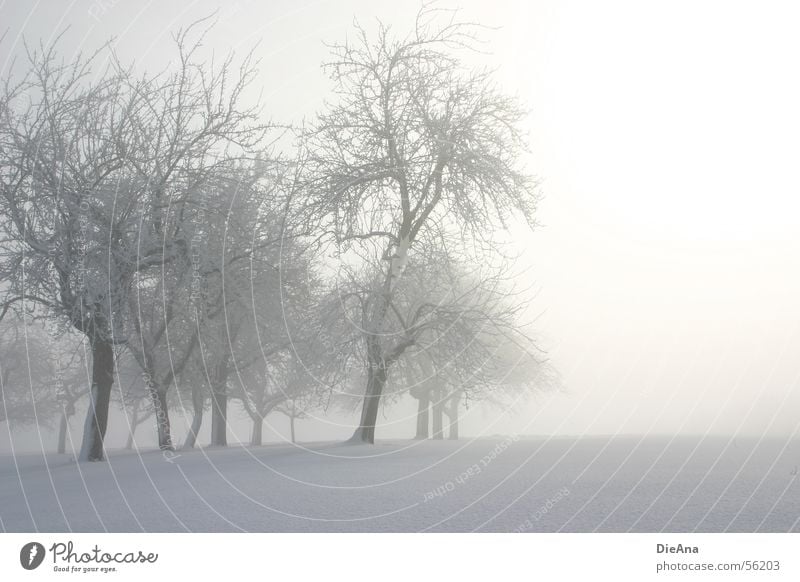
(294, 411)
(27, 374)
(132, 396)
(71, 381)
(283, 376)
(500, 371)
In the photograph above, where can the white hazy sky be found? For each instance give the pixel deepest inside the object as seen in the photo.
(667, 135)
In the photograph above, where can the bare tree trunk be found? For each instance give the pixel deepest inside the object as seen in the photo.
(365, 433)
(376, 374)
(62, 433)
(423, 415)
(134, 424)
(99, 400)
(453, 436)
(438, 413)
(159, 397)
(198, 403)
(291, 425)
(219, 417)
(455, 402)
(258, 429)
(434, 393)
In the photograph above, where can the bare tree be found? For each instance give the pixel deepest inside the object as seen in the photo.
(95, 171)
(71, 382)
(249, 273)
(43, 375)
(470, 342)
(415, 148)
(294, 411)
(133, 396)
(193, 380)
(222, 314)
(292, 388)
(263, 389)
(164, 336)
(27, 372)
(138, 410)
(500, 370)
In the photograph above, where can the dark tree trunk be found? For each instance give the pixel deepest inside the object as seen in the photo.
(258, 429)
(423, 415)
(62, 432)
(377, 372)
(99, 400)
(219, 403)
(291, 425)
(219, 417)
(198, 403)
(365, 433)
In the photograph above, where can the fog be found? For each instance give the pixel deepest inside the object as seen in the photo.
(665, 268)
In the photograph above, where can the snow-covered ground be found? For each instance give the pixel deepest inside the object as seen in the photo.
(492, 484)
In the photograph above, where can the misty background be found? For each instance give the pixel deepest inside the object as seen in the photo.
(665, 268)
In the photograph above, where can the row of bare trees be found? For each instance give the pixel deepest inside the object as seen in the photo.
(154, 216)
